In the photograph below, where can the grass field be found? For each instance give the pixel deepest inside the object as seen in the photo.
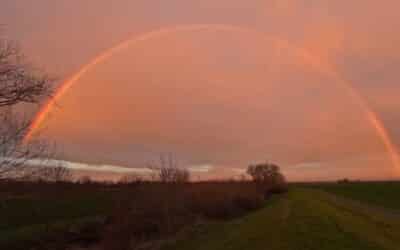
(364, 216)
(303, 219)
(378, 193)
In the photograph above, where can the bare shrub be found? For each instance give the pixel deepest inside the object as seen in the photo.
(174, 175)
(168, 170)
(54, 174)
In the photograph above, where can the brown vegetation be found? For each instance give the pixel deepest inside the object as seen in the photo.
(154, 210)
(151, 211)
(143, 212)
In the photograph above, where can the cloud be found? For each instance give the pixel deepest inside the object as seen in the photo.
(205, 168)
(104, 167)
(364, 166)
(239, 171)
(307, 165)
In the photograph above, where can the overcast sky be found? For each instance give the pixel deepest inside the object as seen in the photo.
(221, 98)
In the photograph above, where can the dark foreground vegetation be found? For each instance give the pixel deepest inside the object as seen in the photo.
(206, 215)
(42, 215)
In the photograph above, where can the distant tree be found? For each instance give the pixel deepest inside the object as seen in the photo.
(19, 83)
(168, 170)
(181, 175)
(130, 178)
(343, 181)
(267, 173)
(54, 174)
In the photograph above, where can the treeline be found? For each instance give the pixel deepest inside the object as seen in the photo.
(145, 212)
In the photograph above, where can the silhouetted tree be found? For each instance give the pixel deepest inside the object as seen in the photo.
(19, 83)
(268, 174)
(54, 174)
(168, 170)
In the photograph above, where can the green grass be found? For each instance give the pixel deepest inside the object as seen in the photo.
(382, 194)
(304, 219)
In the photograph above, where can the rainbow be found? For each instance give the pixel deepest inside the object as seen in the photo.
(311, 60)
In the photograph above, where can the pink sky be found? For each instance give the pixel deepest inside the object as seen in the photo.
(219, 98)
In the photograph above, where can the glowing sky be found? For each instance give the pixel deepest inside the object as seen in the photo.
(219, 98)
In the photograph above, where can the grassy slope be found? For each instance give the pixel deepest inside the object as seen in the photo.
(303, 219)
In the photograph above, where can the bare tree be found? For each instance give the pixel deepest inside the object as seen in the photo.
(15, 155)
(19, 83)
(54, 174)
(169, 171)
